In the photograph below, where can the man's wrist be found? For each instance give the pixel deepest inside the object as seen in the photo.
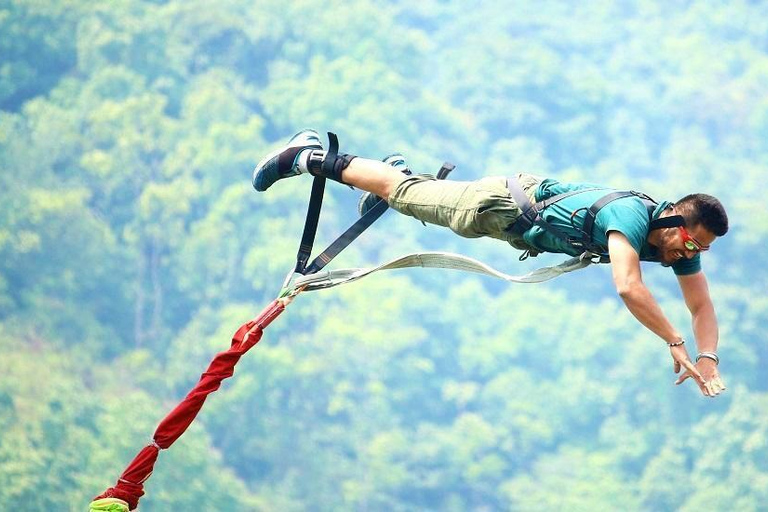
(675, 342)
(708, 355)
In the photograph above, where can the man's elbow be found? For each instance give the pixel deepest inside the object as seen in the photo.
(628, 288)
(701, 308)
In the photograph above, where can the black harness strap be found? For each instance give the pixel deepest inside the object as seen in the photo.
(310, 224)
(672, 221)
(347, 237)
(589, 220)
(531, 216)
(331, 154)
(315, 205)
(531, 212)
(528, 218)
(445, 170)
(313, 217)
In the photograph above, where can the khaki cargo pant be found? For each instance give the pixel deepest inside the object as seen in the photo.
(469, 208)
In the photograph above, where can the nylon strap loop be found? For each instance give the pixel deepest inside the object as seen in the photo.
(310, 224)
(330, 155)
(672, 221)
(315, 205)
(589, 219)
(445, 170)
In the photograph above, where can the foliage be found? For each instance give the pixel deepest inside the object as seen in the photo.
(131, 247)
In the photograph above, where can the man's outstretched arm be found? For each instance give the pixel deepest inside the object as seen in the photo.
(697, 298)
(625, 266)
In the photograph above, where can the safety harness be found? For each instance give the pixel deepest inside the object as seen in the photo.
(531, 216)
(346, 238)
(309, 276)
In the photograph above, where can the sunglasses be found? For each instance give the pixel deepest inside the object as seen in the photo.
(691, 243)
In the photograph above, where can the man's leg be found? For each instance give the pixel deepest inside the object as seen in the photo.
(372, 176)
(470, 209)
(450, 204)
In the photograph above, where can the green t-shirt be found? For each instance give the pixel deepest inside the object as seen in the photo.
(628, 216)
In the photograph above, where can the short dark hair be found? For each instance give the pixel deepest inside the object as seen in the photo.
(704, 210)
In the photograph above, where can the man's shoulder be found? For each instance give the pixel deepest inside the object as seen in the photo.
(551, 187)
(632, 206)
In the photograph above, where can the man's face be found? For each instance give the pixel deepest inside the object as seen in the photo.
(672, 244)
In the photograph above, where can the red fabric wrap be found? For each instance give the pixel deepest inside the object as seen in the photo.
(130, 486)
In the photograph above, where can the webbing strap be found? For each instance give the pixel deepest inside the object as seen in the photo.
(673, 221)
(330, 156)
(315, 205)
(313, 216)
(552, 200)
(310, 225)
(446, 169)
(314, 278)
(663, 222)
(328, 279)
(591, 215)
(530, 215)
(347, 237)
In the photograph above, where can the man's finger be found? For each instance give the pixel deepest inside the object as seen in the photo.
(677, 366)
(691, 369)
(682, 378)
(694, 372)
(718, 386)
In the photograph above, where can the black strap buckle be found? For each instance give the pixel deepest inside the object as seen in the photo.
(445, 170)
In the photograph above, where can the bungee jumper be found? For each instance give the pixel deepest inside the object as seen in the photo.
(592, 224)
(538, 215)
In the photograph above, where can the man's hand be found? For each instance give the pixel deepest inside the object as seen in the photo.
(682, 361)
(704, 372)
(696, 294)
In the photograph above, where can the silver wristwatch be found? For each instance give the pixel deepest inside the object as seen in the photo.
(708, 355)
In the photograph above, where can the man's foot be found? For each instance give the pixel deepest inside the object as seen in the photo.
(284, 162)
(368, 200)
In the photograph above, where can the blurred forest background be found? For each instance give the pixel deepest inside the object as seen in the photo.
(132, 246)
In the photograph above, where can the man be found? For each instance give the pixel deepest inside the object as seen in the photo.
(567, 218)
